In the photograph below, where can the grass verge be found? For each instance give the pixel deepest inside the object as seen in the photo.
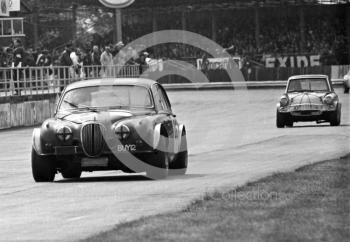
(310, 204)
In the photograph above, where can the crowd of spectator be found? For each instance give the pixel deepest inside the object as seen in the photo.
(279, 34)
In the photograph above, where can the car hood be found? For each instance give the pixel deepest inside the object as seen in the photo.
(110, 116)
(306, 98)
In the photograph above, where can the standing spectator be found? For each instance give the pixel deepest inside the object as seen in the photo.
(66, 62)
(44, 60)
(107, 62)
(28, 59)
(18, 55)
(141, 61)
(86, 60)
(96, 61)
(205, 65)
(75, 56)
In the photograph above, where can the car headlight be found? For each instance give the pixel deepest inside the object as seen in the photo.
(64, 133)
(328, 99)
(284, 101)
(122, 131)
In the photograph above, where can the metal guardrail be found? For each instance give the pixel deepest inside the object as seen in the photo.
(235, 85)
(53, 79)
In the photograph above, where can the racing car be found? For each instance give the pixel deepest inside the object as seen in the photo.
(308, 98)
(110, 124)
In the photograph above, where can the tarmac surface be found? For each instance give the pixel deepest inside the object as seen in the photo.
(232, 140)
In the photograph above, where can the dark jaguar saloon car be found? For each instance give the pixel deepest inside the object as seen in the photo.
(110, 124)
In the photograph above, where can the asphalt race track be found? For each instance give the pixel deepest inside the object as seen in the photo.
(232, 139)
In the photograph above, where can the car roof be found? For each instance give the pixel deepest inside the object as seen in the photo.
(111, 81)
(307, 76)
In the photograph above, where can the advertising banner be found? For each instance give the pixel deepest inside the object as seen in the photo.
(220, 63)
(293, 61)
(14, 5)
(4, 8)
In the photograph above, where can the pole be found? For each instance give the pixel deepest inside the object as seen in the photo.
(213, 25)
(118, 33)
(302, 28)
(257, 25)
(348, 30)
(74, 20)
(35, 24)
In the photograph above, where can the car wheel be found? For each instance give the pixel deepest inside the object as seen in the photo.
(335, 118)
(43, 168)
(161, 168)
(280, 122)
(346, 87)
(160, 164)
(71, 171)
(179, 165)
(289, 124)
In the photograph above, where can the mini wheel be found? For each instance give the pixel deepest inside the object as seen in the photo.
(280, 120)
(335, 117)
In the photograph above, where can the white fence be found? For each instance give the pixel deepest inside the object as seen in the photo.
(44, 80)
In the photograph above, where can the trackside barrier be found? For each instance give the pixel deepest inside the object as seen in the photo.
(236, 85)
(29, 81)
(52, 80)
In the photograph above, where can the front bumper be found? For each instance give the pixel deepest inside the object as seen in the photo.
(107, 160)
(306, 116)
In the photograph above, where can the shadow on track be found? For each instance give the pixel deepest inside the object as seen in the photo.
(318, 126)
(125, 178)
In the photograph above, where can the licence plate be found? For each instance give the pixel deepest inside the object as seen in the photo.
(308, 107)
(93, 162)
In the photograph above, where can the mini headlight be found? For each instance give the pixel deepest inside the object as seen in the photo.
(122, 131)
(64, 133)
(328, 100)
(284, 101)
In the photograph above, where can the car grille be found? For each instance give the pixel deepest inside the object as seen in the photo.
(92, 139)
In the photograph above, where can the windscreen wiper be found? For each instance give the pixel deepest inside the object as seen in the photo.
(80, 106)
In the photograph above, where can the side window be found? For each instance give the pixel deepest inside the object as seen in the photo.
(163, 100)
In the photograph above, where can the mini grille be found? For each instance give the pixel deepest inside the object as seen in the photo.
(92, 139)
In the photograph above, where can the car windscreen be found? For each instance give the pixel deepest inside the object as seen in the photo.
(308, 85)
(110, 97)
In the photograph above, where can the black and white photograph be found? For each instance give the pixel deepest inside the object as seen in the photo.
(175, 120)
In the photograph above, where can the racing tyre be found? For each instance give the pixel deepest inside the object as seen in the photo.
(179, 165)
(43, 168)
(280, 122)
(346, 86)
(335, 118)
(160, 164)
(161, 168)
(72, 171)
(289, 124)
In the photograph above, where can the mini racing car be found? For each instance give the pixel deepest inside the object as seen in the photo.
(308, 98)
